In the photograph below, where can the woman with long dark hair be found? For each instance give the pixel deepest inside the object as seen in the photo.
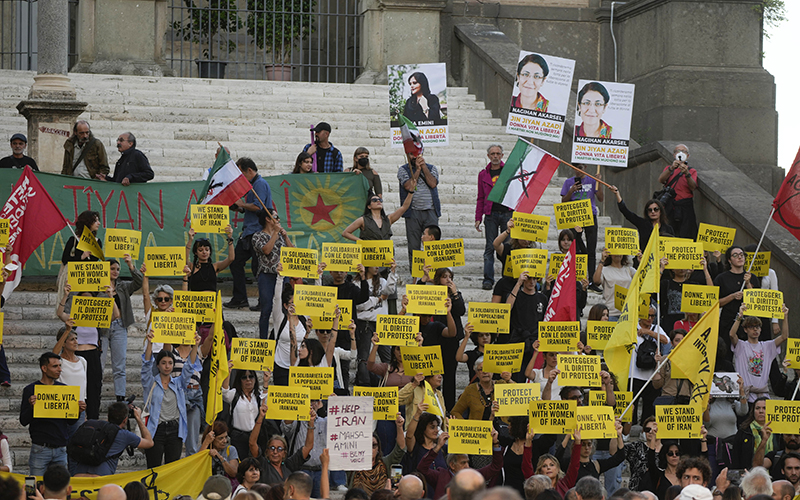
(422, 436)
(654, 213)
(88, 219)
(303, 164)
(201, 272)
(378, 478)
(422, 105)
(375, 224)
(245, 400)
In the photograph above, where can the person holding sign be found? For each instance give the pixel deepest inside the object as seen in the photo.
(649, 339)
(90, 220)
(546, 375)
(672, 292)
(380, 289)
(335, 354)
(275, 466)
(581, 187)
(201, 272)
(118, 333)
(378, 478)
(754, 438)
(479, 340)
(244, 400)
(669, 456)
(162, 297)
(73, 369)
(267, 244)
(654, 213)
(593, 468)
(375, 224)
(527, 310)
(730, 294)
(422, 179)
(478, 397)
(422, 435)
(503, 247)
(613, 270)
(419, 391)
(290, 332)
(549, 466)
(444, 277)
(565, 239)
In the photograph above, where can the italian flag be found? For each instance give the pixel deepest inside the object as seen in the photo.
(412, 141)
(225, 183)
(524, 177)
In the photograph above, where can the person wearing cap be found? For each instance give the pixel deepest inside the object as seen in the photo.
(132, 166)
(329, 159)
(84, 154)
(216, 487)
(695, 492)
(17, 159)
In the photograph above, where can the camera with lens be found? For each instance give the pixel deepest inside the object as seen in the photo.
(129, 401)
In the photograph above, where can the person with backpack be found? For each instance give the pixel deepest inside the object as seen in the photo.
(244, 399)
(648, 342)
(96, 446)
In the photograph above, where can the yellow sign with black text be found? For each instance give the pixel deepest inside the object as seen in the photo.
(119, 242)
(341, 256)
(472, 437)
(210, 218)
(56, 401)
(715, 237)
(88, 276)
(318, 380)
(393, 329)
(299, 263)
(579, 370)
(444, 253)
(164, 261)
(698, 298)
(425, 360)
(763, 303)
(253, 354)
(289, 403)
(559, 336)
(552, 417)
(499, 358)
(572, 214)
(622, 241)
(679, 421)
(530, 227)
(489, 317)
(426, 299)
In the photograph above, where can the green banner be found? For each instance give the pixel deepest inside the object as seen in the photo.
(319, 208)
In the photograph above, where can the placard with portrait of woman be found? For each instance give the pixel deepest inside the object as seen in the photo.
(602, 123)
(419, 92)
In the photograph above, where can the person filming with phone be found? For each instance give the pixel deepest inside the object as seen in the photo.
(680, 181)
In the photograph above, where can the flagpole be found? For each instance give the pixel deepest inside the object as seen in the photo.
(763, 233)
(795, 388)
(634, 399)
(572, 166)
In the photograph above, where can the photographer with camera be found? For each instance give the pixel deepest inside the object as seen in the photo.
(679, 182)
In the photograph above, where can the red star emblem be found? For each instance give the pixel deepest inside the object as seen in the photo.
(321, 211)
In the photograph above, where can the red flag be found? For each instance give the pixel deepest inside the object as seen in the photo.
(32, 218)
(787, 202)
(562, 299)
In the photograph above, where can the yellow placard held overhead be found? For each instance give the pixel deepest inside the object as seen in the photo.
(88, 276)
(430, 398)
(552, 417)
(164, 261)
(793, 352)
(664, 240)
(559, 336)
(622, 241)
(444, 253)
(56, 401)
(87, 242)
(596, 422)
(763, 303)
(622, 400)
(515, 399)
(425, 360)
(426, 299)
(417, 264)
(253, 354)
(489, 317)
(572, 214)
(499, 358)
(715, 237)
(783, 415)
(598, 333)
(377, 253)
(760, 266)
(384, 401)
(621, 293)
(530, 227)
(92, 311)
(318, 380)
(299, 263)
(341, 256)
(698, 298)
(314, 301)
(581, 265)
(533, 260)
(173, 328)
(397, 330)
(472, 437)
(679, 421)
(684, 255)
(119, 242)
(210, 218)
(325, 322)
(289, 403)
(201, 304)
(4, 232)
(578, 370)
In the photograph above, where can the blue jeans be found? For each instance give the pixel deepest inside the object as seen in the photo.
(493, 224)
(42, 457)
(194, 417)
(118, 345)
(266, 291)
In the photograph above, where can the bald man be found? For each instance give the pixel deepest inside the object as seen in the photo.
(782, 490)
(465, 484)
(683, 179)
(111, 492)
(409, 488)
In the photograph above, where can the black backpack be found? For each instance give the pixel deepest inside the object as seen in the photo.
(646, 355)
(91, 442)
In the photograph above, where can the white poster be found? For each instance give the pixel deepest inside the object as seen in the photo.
(725, 385)
(540, 97)
(350, 432)
(419, 92)
(602, 123)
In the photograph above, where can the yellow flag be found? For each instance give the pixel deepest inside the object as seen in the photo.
(429, 398)
(619, 348)
(88, 243)
(219, 365)
(648, 276)
(696, 355)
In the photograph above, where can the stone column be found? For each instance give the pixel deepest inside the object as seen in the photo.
(51, 107)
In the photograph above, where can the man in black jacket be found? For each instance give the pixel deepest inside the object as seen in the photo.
(132, 166)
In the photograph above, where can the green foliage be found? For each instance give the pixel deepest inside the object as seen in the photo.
(773, 12)
(281, 23)
(205, 22)
(397, 77)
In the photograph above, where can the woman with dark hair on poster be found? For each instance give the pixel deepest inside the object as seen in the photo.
(422, 105)
(532, 71)
(592, 102)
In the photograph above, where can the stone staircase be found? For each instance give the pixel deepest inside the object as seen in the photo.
(178, 123)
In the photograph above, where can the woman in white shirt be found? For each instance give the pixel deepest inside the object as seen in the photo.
(245, 400)
(613, 270)
(289, 334)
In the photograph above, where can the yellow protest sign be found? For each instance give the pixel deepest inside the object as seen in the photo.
(622, 400)
(426, 299)
(793, 352)
(698, 298)
(384, 401)
(119, 242)
(173, 328)
(201, 304)
(489, 317)
(784, 415)
(715, 237)
(559, 336)
(56, 401)
(253, 354)
(552, 417)
(318, 380)
(397, 330)
(499, 358)
(341, 256)
(533, 260)
(579, 370)
(210, 218)
(530, 227)
(598, 333)
(763, 303)
(417, 264)
(2, 320)
(621, 293)
(164, 261)
(515, 399)
(683, 255)
(88, 276)
(430, 398)
(87, 242)
(289, 403)
(596, 422)
(314, 301)
(377, 253)
(581, 265)
(325, 322)
(760, 266)
(508, 267)
(572, 214)
(299, 263)
(622, 241)
(92, 311)
(425, 360)
(679, 421)
(473, 437)
(663, 240)
(444, 253)
(4, 231)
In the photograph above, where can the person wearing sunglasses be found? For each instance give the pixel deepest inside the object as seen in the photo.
(267, 244)
(244, 399)
(613, 270)
(375, 224)
(275, 466)
(161, 297)
(654, 213)
(731, 283)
